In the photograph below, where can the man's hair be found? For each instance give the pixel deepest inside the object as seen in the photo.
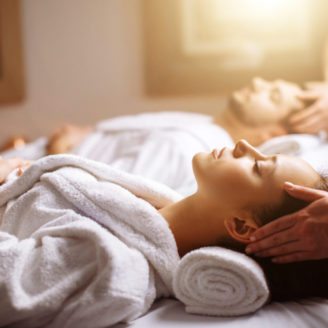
(291, 280)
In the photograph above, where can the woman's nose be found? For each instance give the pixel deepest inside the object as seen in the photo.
(243, 148)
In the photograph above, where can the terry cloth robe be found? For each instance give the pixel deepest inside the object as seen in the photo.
(140, 144)
(82, 245)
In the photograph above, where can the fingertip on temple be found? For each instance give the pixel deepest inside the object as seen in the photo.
(288, 185)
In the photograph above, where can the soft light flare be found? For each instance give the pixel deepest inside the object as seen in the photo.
(258, 9)
(269, 7)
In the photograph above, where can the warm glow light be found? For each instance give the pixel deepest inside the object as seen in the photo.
(257, 9)
(268, 4)
(248, 27)
(265, 8)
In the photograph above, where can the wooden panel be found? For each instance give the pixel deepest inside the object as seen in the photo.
(11, 61)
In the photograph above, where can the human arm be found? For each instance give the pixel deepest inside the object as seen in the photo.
(299, 236)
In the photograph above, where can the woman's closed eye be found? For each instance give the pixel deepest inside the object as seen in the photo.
(257, 167)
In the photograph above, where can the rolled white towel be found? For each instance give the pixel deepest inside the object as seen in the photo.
(218, 281)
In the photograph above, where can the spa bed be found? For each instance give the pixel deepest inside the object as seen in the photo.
(171, 312)
(301, 314)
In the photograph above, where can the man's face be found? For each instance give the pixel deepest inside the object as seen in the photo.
(266, 102)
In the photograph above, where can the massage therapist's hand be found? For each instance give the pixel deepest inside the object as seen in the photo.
(9, 165)
(299, 236)
(313, 118)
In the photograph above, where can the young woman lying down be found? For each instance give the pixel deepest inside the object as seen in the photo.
(83, 244)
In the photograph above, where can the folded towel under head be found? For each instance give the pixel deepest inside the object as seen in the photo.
(292, 144)
(219, 281)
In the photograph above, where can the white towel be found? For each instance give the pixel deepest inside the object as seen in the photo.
(292, 144)
(221, 282)
(82, 246)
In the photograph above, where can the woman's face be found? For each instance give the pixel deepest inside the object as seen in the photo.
(243, 179)
(266, 102)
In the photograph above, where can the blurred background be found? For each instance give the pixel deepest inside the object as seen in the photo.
(86, 60)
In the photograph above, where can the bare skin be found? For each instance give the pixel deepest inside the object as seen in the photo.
(266, 102)
(9, 165)
(313, 118)
(255, 135)
(263, 107)
(300, 236)
(221, 208)
(264, 110)
(66, 137)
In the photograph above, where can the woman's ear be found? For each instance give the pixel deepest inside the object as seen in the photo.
(240, 229)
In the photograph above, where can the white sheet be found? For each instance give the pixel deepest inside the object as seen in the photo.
(303, 314)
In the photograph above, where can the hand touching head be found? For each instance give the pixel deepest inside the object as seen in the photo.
(239, 183)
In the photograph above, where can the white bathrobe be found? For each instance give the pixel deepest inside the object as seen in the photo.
(82, 245)
(159, 146)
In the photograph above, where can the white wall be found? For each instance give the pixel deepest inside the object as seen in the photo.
(83, 62)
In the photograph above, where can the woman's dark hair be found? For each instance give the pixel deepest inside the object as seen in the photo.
(295, 280)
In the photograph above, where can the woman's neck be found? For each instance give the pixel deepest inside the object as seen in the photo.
(194, 224)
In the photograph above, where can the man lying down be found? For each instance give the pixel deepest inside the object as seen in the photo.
(140, 144)
(85, 245)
